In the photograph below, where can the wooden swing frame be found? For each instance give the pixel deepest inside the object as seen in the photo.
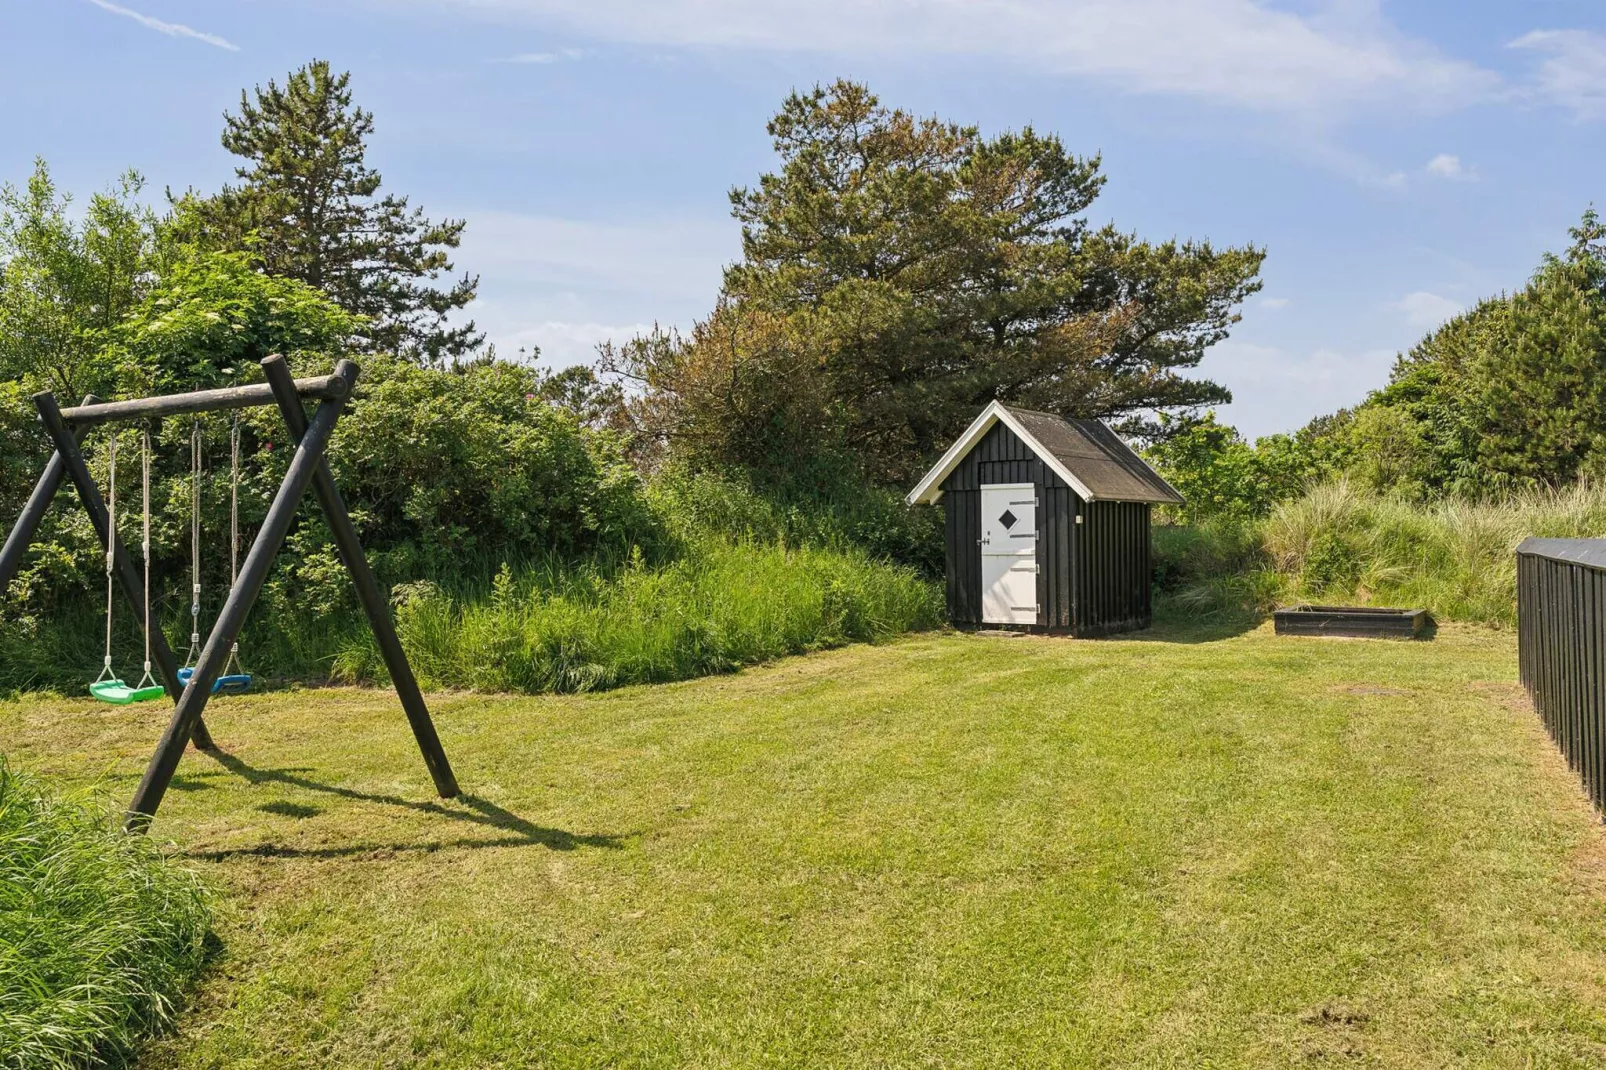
(308, 467)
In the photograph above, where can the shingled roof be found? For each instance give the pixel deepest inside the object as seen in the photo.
(1085, 453)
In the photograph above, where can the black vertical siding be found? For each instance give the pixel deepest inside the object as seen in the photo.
(1093, 577)
(1561, 643)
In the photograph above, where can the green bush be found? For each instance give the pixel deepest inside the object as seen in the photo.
(449, 473)
(446, 474)
(99, 934)
(1225, 478)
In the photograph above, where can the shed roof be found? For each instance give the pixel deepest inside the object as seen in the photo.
(1084, 453)
(1591, 552)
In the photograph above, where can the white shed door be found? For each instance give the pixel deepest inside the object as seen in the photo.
(1009, 553)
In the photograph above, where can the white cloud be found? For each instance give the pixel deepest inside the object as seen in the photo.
(560, 344)
(1245, 53)
(1275, 302)
(1426, 310)
(1236, 363)
(1446, 166)
(670, 258)
(543, 58)
(565, 284)
(172, 29)
(1282, 390)
(1572, 72)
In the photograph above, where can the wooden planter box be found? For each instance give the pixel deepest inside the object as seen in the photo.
(1362, 622)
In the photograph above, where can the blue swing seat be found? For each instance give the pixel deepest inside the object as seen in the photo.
(232, 684)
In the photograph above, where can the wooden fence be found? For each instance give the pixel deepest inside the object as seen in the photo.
(1561, 642)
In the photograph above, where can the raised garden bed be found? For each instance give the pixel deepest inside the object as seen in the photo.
(1362, 622)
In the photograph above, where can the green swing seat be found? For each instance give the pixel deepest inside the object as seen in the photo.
(120, 694)
(108, 688)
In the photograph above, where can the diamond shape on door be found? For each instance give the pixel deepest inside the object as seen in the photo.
(1008, 519)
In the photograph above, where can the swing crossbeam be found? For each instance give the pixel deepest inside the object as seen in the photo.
(308, 467)
(321, 388)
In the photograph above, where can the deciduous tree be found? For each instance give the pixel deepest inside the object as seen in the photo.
(66, 283)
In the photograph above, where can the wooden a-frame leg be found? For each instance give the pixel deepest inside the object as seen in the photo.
(242, 596)
(368, 592)
(128, 577)
(33, 513)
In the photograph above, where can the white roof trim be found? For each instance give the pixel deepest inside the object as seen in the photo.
(930, 488)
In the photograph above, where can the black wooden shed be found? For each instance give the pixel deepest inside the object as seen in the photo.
(1047, 524)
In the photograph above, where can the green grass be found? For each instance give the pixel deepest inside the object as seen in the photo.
(99, 934)
(716, 609)
(1182, 849)
(1342, 543)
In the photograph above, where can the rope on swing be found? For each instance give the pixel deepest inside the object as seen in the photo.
(233, 679)
(108, 687)
(233, 668)
(145, 546)
(111, 557)
(195, 543)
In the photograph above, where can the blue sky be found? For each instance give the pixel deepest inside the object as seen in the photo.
(1397, 160)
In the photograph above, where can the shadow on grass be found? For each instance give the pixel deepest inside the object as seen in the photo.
(1173, 624)
(1170, 625)
(299, 811)
(380, 851)
(469, 808)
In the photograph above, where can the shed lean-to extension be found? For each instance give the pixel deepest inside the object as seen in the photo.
(1047, 524)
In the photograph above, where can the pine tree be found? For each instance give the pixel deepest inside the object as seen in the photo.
(308, 206)
(898, 273)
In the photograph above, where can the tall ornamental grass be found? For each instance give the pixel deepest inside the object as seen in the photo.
(720, 606)
(99, 934)
(1341, 543)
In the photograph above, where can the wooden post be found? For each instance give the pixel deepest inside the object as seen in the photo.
(254, 573)
(128, 577)
(368, 592)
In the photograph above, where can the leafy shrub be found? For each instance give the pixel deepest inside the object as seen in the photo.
(446, 471)
(1224, 477)
(99, 934)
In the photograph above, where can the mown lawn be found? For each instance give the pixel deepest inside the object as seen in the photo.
(1180, 850)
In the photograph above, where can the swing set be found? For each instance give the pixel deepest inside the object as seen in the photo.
(107, 686)
(213, 667)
